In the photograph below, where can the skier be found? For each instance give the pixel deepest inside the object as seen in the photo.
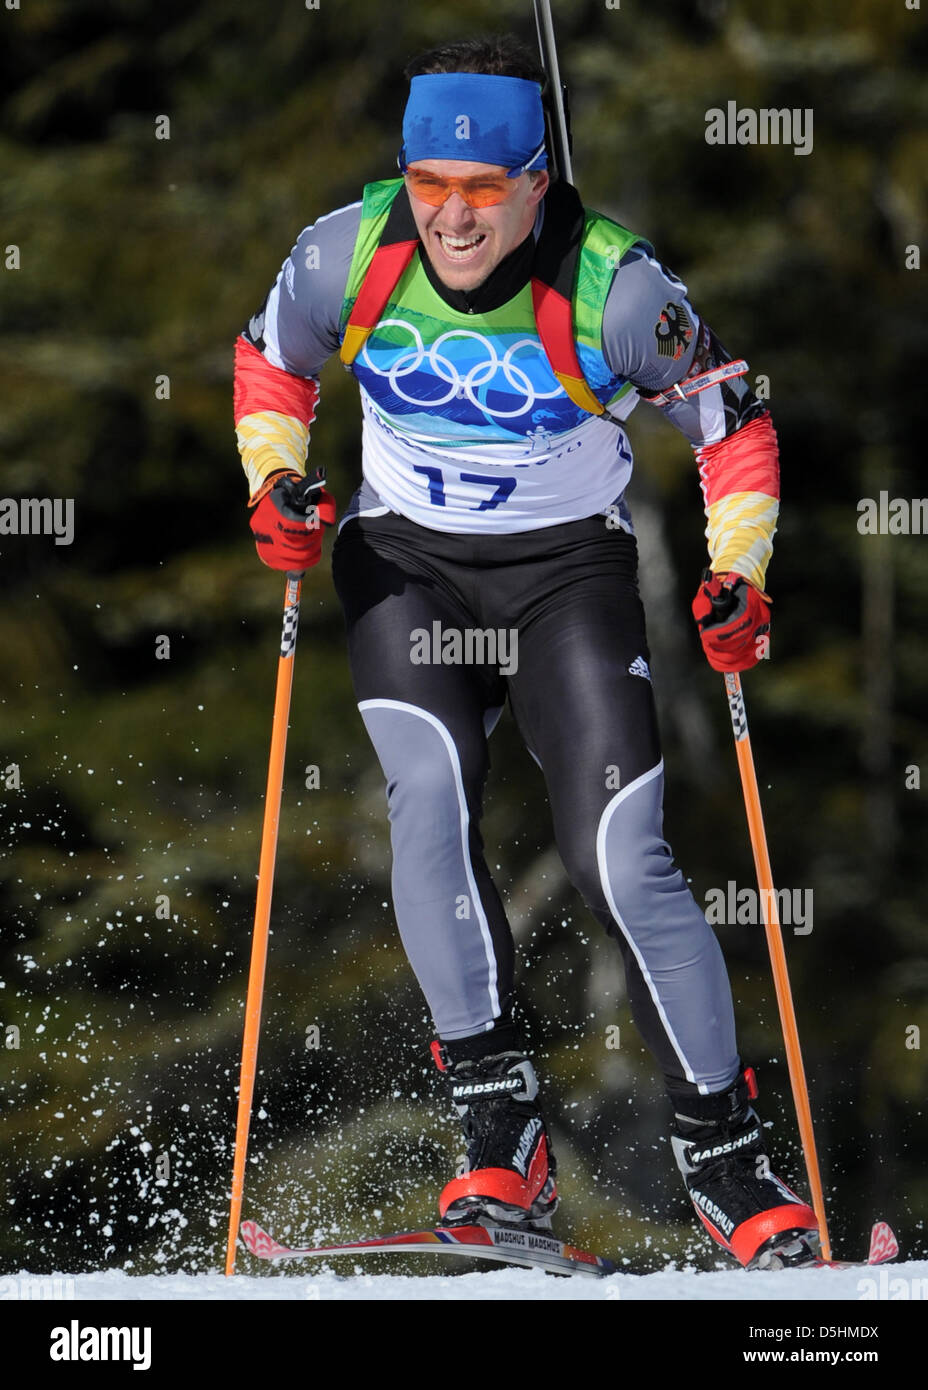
(501, 334)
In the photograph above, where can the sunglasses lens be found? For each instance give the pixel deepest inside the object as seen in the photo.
(484, 192)
(429, 187)
(478, 192)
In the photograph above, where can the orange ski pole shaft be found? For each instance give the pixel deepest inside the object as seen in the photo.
(275, 777)
(797, 1074)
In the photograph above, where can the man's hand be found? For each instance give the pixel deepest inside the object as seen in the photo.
(288, 519)
(730, 614)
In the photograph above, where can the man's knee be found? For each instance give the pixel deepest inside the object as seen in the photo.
(621, 887)
(430, 775)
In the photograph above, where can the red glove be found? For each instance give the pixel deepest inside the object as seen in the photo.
(731, 614)
(288, 518)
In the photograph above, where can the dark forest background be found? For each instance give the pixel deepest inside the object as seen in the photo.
(140, 777)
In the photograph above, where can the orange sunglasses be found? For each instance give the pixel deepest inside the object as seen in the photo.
(478, 191)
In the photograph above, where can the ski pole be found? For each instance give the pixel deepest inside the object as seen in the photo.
(275, 776)
(557, 110)
(797, 1076)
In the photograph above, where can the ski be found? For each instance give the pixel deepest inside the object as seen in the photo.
(801, 1253)
(531, 1248)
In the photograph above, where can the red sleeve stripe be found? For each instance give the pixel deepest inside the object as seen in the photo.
(747, 461)
(260, 386)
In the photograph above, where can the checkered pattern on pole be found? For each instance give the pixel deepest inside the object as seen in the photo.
(739, 718)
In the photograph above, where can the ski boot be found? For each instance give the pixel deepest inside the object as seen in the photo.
(509, 1168)
(720, 1149)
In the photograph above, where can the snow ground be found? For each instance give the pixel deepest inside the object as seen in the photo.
(892, 1282)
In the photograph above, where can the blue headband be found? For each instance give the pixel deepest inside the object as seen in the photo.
(474, 116)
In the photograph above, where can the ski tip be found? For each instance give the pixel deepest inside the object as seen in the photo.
(259, 1243)
(250, 1233)
(883, 1244)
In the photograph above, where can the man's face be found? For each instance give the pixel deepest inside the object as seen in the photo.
(465, 244)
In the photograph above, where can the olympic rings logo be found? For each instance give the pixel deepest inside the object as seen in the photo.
(480, 375)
